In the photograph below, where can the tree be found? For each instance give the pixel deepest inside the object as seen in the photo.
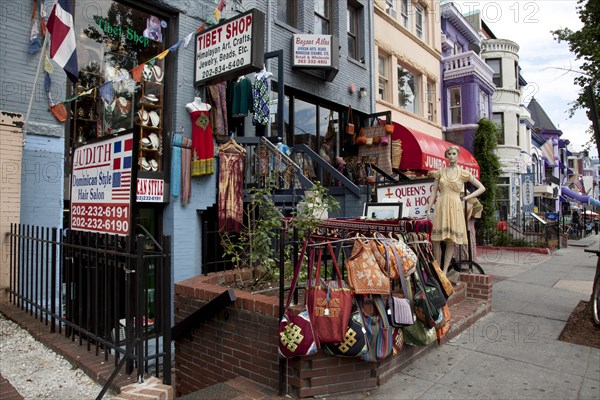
(485, 142)
(585, 44)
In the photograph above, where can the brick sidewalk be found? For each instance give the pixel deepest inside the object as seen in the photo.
(7, 391)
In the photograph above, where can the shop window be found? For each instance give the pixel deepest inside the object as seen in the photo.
(420, 22)
(405, 13)
(287, 12)
(455, 106)
(390, 8)
(113, 39)
(353, 24)
(496, 65)
(408, 90)
(498, 119)
(384, 77)
(322, 17)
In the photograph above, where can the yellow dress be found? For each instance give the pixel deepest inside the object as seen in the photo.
(449, 214)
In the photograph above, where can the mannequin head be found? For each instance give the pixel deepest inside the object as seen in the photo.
(452, 147)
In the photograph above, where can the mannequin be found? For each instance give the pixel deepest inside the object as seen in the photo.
(449, 218)
(203, 152)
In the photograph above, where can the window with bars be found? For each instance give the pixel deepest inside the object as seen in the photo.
(287, 12)
(352, 21)
(322, 17)
(408, 90)
(383, 77)
(455, 106)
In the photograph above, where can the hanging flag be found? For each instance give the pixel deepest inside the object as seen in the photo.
(34, 40)
(579, 185)
(548, 151)
(187, 39)
(63, 49)
(47, 64)
(163, 54)
(176, 46)
(47, 82)
(42, 18)
(136, 72)
(106, 92)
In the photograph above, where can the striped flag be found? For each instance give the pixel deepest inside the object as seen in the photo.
(121, 181)
(63, 48)
(548, 151)
(579, 185)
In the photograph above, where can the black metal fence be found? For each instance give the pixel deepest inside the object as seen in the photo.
(107, 292)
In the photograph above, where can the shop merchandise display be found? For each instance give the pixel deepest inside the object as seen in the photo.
(203, 162)
(231, 212)
(150, 117)
(260, 97)
(379, 325)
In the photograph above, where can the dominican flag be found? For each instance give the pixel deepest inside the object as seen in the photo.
(121, 181)
(63, 46)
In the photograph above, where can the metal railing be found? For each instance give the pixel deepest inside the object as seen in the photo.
(110, 293)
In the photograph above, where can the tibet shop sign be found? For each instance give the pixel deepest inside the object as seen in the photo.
(101, 186)
(413, 195)
(230, 49)
(314, 51)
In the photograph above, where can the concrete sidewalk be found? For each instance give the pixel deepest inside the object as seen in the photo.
(514, 352)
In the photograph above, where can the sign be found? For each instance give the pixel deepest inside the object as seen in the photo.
(527, 196)
(413, 195)
(433, 162)
(314, 51)
(232, 48)
(150, 190)
(551, 216)
(101, 186)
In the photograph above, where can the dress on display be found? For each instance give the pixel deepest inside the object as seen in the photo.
(203, 161)
(449, 214)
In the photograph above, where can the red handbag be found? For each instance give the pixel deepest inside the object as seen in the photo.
(296, 334)
(329, 302)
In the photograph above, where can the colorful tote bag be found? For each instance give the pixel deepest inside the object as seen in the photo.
(364, 274)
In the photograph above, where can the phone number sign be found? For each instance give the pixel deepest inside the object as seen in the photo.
(230, 49)
(101, 186)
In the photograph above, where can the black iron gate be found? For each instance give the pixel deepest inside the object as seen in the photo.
(106, 291)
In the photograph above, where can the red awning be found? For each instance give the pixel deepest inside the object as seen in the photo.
(422, 152)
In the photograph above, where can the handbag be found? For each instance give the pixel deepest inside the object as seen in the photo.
(384, 141)
(361, 139)
(329, 302)
(407, 256)
(378, 331)
(296, 334)
(354, 343)
(364, 274)
(424, 308)
(349, 124)
(437, 272)
(418, 335)
(440, 331)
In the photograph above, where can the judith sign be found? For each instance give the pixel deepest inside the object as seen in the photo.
(101, 186)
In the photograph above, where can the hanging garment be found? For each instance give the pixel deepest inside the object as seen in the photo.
(186, 169)
(203, 161)
(242, 98)
(218, 99)
(449, 217)
(231, 162)
(260, 96)
(176, 165)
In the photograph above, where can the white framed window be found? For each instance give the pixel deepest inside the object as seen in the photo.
(352, 21)
(483, 105)
(390, 8)
(420, 24)
(287, 11)
(322, 16)
(496, 65)
(498, 118)
(408, 90)
(384, 75)
(405, 13)
(455, 106)
(430, 100)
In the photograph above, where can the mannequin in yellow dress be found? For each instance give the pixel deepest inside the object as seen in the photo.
(449, 218)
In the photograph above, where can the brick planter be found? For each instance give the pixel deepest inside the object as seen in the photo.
(242, 341)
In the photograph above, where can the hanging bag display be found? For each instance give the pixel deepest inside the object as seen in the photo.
(296, 334)
(364, 274)
(354, 343)
(329, 302)
(400, 310)
(349, 122)
(424, 308)
(379, 334)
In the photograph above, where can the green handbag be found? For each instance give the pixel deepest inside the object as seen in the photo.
(417, 335)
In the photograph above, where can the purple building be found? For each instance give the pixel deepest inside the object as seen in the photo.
(467, 81)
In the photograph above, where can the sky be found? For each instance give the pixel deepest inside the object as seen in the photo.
(543, 61)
